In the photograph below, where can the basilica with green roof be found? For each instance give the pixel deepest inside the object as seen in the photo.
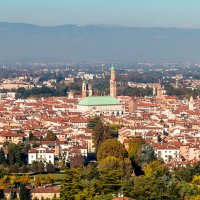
(101, 105)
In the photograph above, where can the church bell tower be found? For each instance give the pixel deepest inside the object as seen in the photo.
(113, 83)
(84, 89)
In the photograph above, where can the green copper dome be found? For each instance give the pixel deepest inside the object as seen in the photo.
(113, 67)
(99, 101)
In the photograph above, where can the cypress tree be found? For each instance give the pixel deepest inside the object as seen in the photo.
(2, 195)
(2, 156)
(24, 193)
(11, 157)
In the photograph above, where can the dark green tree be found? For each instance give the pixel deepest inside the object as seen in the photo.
(154, 188)
(50, 168)
(31, 136)
(93, 122)
(2, 156)
(101, 132)
(17, 153)
(91, 172)
(110, 182)
(72, 185)
(11, 156)
(24, 193)
(2, 195)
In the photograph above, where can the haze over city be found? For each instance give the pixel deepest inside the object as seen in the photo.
(141, 31)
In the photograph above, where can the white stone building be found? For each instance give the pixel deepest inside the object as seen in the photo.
(40, 154)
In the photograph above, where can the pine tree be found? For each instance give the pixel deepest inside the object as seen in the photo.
(72, 185)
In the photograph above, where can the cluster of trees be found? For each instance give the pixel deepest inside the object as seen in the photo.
(40, 167)
(145, 77)
(114, 175)
(44, 91)
(102, 131)
(14, 181)
(115, 166)
(109, 177)
(135, 173)
(134, 91)
(15, 159)
(182, 91)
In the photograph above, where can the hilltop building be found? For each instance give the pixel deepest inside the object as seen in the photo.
(40, 154)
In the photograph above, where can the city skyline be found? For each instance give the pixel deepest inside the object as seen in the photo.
(138, 13)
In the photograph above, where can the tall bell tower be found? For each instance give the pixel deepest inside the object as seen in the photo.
(159, 90)
(113, 83)
(84, 89)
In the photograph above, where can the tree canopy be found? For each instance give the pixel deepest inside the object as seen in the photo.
(111, 147)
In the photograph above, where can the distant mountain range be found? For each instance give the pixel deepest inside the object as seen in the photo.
(31, 43)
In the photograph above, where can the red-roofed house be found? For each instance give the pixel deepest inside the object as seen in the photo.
(11, 137)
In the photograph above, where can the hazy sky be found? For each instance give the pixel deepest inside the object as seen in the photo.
(145, 13)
